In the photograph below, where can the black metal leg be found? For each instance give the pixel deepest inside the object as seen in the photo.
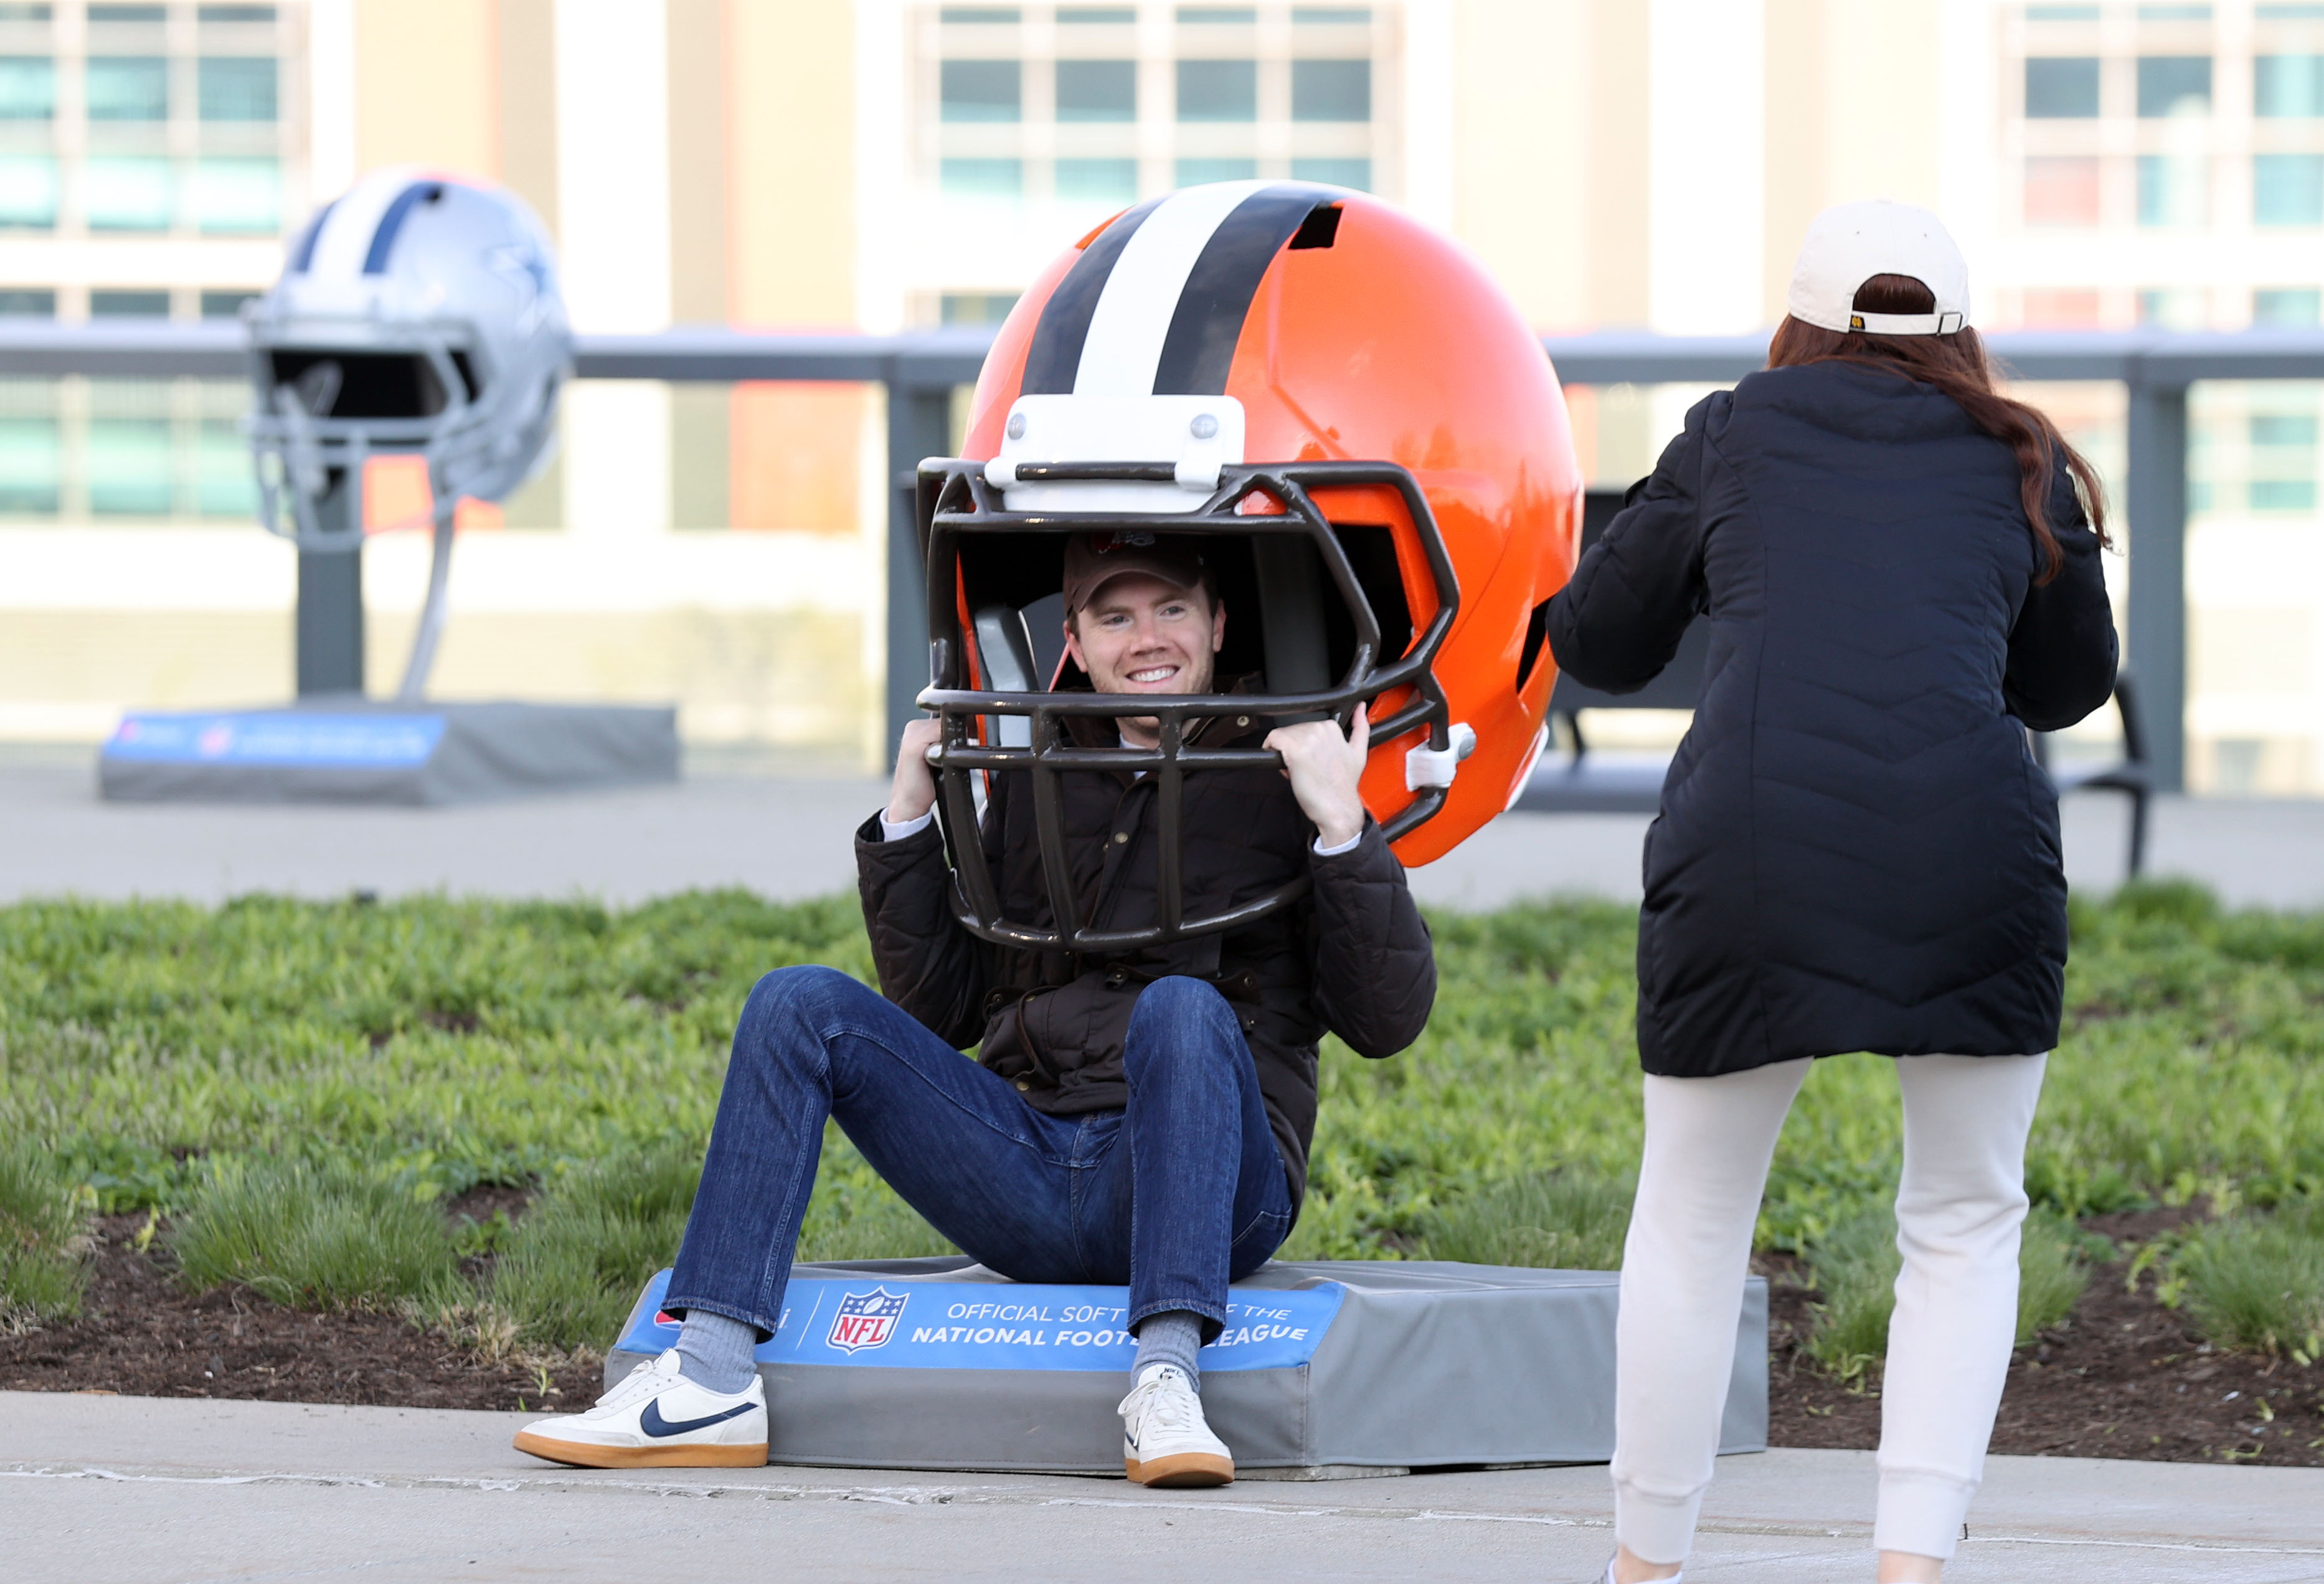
(2137, 832)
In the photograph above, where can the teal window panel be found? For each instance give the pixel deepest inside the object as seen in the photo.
(128, 87)
(2284, 494)
(1097, 15)
(2288, 87)
(2174, 84)
(1331, 90)
(1097, 91)
(226, 305)
(1194, 173)
(982, 90)
(260, 14)
(223, 484)
(971, 15)
(1218, 15)
(31, 465)
(1218, 90)
(128, 194)
(2173, 189)
(129, 466)
(983, 178)
(240, 196)
(976, 307)
(236, 88)
(1111, 181)
(2288, 190)
(2283, 429)
(23, 304)
(2062, 87)
(28, 191)
(1355, 173)
(128, 305)
(28, 88)
(2298, 306)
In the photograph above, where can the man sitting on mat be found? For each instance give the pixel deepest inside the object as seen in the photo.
(1141, 1119)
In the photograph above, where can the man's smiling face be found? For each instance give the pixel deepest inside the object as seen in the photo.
(1139, 634)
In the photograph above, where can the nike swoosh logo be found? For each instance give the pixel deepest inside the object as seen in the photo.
(653, 1424)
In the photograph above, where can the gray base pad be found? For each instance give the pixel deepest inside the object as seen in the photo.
(345, 750)
(1427, 1364)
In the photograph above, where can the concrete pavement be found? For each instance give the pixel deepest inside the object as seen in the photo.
(788, 836)
(142, 1490)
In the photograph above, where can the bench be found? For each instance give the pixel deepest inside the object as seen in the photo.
(1582, 782)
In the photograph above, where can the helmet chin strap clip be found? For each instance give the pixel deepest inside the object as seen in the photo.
(1435, 767)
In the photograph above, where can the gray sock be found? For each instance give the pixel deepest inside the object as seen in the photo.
(1175, 1336)
(715, 1352)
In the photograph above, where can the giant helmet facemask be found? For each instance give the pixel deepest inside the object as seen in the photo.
(1372, 448)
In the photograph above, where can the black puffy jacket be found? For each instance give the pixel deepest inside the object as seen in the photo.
(1856, 849)
(1353, 956)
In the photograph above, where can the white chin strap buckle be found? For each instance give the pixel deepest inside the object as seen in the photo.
(1434, 767)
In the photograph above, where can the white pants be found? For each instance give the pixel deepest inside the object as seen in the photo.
(1959, 1211)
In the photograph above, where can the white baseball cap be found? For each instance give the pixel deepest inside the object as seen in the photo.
(1849, 243)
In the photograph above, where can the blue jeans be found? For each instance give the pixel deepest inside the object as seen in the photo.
(1176, 1195)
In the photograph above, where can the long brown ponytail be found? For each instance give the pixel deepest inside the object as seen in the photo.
(1957, 366)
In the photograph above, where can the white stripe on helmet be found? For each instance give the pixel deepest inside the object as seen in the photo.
(1133, 318)
(346, 240)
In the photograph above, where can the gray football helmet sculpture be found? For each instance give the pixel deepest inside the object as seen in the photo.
(418, 314)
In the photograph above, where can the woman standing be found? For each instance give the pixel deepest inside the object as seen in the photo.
(1856, 849)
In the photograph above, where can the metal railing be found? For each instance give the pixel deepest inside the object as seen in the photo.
(919, 371)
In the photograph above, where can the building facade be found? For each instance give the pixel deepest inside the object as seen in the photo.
(806, 164)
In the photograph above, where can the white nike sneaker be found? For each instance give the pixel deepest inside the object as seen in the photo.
(1165, 1440)
(656, 1418)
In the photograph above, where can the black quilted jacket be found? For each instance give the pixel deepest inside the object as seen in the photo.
(1353, 957)
(1856, 849)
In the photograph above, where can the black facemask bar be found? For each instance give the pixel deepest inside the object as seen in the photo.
(955, 502)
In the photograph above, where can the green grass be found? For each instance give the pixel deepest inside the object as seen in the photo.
(1562, 1220)
(452, 1043)
(338, 1233)
(1856, 1265)
(43, 1241)
(2258, 1281)
(575, 1264)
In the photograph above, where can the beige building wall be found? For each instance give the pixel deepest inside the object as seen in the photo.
(791, 194)
(427, 88)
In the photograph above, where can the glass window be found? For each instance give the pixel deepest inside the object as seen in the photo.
(1218, 90)
(2297, 306)
(2062, 87)
(2174, 14)
(128, 87)
(2288, 190)
(2062, 190)
(1097, 91)
(126, 194)
(2290, 12)
(1085, 181)
(129, 466)
(1355, 173)
(1084, 16)
(22, 304)
(1326, 15)
(28, 88)
(2174, 84)
(236, 13)
(128, 13)
(970, 14)
(241, 197)
(984, 177)
(2284, 494)
(1194, 173)
(976, 307)
(28, 191)
(2172, 190)
(1218, 15)
(26, 12)
(2288, 85)
(223, 484)
(32, 447)
(129, 305)
(2171, 308)
(982, 90)
(237, 87)
(1331, 90)
(226, 305)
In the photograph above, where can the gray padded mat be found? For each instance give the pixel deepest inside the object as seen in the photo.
(351, 749)
(1414, 1365)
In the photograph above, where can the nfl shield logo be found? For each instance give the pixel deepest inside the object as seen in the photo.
(866, 1320)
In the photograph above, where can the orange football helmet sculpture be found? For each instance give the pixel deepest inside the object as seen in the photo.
(1374, 449)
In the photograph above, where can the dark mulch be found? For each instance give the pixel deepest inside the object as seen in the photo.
(141, 1334)
(2123, 1377)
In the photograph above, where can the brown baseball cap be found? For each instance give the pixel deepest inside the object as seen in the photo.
(1094, 560)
